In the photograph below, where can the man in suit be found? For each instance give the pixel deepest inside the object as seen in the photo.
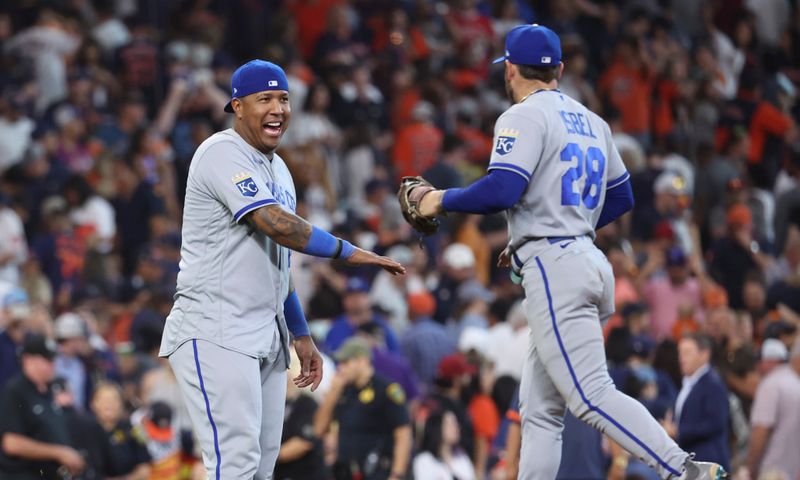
(700, 422)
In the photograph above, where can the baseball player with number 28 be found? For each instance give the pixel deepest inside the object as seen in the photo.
(556, 171)
(227, 335)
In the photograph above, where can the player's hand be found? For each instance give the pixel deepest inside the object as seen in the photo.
(364, 257)
(504, 260)
(71, 459)
(310, 363)
(431, 204)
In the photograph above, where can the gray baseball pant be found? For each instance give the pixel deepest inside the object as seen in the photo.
(236, 404)
(569, 291)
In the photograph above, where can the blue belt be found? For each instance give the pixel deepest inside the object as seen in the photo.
(515, 260)
(553, 240)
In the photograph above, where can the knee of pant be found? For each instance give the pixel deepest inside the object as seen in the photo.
(550, 417)
(581, 405)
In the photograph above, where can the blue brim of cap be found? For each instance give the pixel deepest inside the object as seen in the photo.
(228, 107)
(499, 59)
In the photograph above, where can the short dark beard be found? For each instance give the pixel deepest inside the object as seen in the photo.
(510, 92)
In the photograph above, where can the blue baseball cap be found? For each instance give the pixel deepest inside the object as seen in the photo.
(256, 76)
(356, 285)
(534, 45)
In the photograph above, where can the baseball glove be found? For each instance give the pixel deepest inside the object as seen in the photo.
(412, 189)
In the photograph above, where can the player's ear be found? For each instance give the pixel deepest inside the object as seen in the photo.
(236, 105)
(510, 70)
(560, 70)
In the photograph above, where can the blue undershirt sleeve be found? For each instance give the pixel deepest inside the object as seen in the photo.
(295, 318)
(497, 191)
(619, 199)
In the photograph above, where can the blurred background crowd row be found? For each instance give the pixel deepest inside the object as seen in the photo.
(104, 102)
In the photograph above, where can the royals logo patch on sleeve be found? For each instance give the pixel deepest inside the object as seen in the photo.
(244, 182)
(506, 138)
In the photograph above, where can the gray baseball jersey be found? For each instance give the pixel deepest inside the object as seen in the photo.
(566, 154)
(233, 279)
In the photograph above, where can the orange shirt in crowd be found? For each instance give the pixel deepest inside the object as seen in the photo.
(416, 148)
(479, 145)
(664, 121)
(411, 41)
(767, 120)
(312, 19)
(629, 90)
(484, 416)
(403, 107)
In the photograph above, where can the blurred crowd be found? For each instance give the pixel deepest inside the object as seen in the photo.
(103, 103)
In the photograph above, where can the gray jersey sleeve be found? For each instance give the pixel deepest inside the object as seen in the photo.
(518, 144)
(229, 176)
(617, 173)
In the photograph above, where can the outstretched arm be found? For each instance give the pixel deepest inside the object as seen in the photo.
(286, 228)
(496, 191)
(292, 231)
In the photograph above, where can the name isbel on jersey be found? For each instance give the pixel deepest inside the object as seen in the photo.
(506, 138)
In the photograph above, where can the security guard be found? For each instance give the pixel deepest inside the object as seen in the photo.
(374, 425)
(33, 428)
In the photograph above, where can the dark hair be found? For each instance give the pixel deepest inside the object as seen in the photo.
(666, 360)
(432, 436)
(543, 74)
(703, 341)
(80, 186)
(503, 392)
(312, 91)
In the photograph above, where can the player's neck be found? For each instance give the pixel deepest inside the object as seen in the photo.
(530, 87)
(242, 132)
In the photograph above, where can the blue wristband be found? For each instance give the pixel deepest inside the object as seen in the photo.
(295, 318)
(323, 244)
(347, 250)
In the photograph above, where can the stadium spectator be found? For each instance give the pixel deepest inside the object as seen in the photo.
(15, 314)
(374, 435)
(13, 245)
(71, 334)
(673, 297)
(357, 312)
(440, 455)
(425, 343)
(130, 458)
(737, 254)
(453, 375)
(701, 412)
(87, 436)
(775, 421)
(35, 435)
(301, 454)
(392, 366)
(459, 267)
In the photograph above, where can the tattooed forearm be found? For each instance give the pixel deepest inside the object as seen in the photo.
(283, 226)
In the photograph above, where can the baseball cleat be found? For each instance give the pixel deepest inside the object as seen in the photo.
(703, 471)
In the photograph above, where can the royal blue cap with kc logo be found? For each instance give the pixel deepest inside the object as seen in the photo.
(534, 45)
(256, 76)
